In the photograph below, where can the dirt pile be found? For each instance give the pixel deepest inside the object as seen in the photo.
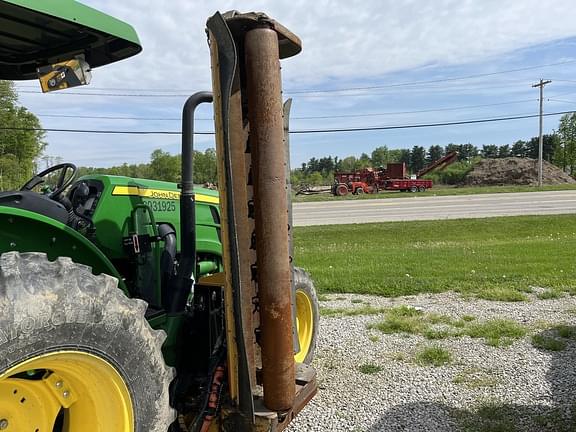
(515, 171)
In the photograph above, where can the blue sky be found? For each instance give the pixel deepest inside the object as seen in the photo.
(347, 45)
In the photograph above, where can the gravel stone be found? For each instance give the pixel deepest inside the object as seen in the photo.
(527, 389)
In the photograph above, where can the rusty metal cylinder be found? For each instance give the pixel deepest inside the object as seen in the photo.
(274, 272)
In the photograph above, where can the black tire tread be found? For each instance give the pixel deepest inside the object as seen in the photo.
(48, 306)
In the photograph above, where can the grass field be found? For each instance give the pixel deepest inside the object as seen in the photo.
(493, 258)
(436, 191)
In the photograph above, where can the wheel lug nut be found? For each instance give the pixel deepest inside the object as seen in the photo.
(3, 424)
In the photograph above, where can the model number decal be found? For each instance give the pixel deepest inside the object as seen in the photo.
(160, 194)
(161, 205)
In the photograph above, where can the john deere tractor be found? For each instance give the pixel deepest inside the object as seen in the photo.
(140, 305)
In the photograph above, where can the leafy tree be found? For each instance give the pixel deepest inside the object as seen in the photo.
(467, 152)
(164, 166)
(549, 143)
(519, 149)
(380, 156)
(19, 147)
(435, 152)
(315, 179)
(504, 151)
(395, 155)
(417, 158)
(326, 165)
(364, 161)
(452, 148)
(565, 155)
(205, 167)
(490, 151)
(348, 164)
(405, 156)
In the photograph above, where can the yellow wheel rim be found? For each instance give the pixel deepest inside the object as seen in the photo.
(64, 391)
(304, 324)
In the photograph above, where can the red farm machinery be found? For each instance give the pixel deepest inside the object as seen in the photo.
(393, 177)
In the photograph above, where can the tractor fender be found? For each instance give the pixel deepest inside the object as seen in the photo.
(26, 231)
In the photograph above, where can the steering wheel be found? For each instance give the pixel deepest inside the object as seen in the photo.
(63, 180)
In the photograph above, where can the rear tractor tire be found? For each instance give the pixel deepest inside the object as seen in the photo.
(341, 190)
(76, 354)
(307, 316)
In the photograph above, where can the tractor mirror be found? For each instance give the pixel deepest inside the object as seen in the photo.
(62, 75)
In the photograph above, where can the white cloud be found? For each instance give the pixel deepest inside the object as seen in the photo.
(350, 43)
(343, 40)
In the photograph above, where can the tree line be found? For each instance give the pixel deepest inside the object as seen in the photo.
(22, 147)
(164, 166)
(558, 148)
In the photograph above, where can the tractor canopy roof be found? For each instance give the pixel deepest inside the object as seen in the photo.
(36, 33)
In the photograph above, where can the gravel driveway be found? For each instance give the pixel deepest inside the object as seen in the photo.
(482, 388)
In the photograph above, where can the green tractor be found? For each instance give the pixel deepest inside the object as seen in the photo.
(139, 305)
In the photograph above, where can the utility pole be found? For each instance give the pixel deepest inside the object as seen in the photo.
(541, 84)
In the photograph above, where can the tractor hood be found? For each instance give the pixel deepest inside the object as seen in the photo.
(37, 33)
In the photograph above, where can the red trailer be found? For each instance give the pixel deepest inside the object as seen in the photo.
(393, 177)
(417, 185)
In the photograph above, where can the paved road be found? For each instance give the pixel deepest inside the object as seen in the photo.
(432, 207)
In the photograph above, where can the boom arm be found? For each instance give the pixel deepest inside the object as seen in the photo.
(440, 164)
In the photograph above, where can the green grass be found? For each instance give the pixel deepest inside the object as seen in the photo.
(435, 334)
(548, 343)
(504, 294)
(437, 190)
(491, 417)
(364, 310)
(495, 258)
(565, 331)
(401, 319)
(496, 332)
(400, 325)
(370, 369)
(433, 356)
(549, 294)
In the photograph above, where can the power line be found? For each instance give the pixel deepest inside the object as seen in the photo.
(304, 131)
(301, 95)
(560, 100)
(375, 87)
(297, 118)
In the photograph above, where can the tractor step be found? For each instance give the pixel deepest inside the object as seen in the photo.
(306, 388)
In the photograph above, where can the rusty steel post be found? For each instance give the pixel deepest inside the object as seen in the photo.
(266, 130)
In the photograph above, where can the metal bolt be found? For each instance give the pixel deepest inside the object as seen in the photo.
(59, 384)
(66, 393)
(12, 244)
(3, 424)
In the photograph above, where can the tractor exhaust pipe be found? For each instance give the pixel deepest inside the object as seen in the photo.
(273, 261)
(187, 264)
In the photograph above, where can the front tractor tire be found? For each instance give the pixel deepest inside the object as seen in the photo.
(307, 316)
(76, 354)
